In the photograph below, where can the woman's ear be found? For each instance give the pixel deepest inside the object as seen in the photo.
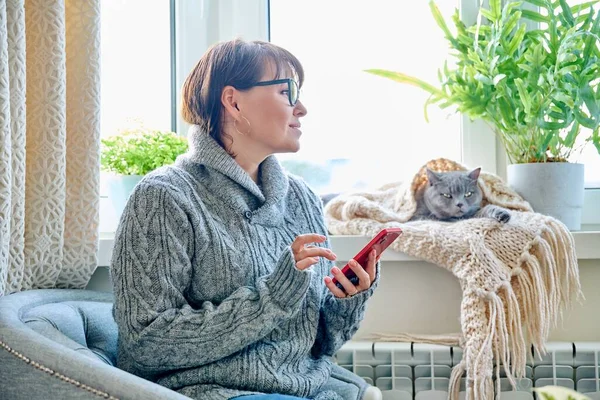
(229, 101)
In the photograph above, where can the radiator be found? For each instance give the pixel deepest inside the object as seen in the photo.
(413, 371)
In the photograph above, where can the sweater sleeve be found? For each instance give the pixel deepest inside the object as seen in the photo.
(340, 319)
(152, 269)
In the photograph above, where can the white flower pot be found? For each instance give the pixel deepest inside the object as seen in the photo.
(554, 189)
(119, 189)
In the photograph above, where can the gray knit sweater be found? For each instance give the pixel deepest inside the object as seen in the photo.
(207, 296)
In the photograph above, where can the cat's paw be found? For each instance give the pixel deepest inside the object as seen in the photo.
(502, 216)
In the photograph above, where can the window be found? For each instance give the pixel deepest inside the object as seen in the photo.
(137, 68)
(136, 64)
(200, 24)
(135, 76)
(362, 130)
(591, 159)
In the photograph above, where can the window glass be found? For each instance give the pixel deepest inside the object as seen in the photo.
(362, 130)
(135, 76)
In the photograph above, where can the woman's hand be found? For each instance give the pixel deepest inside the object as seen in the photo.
(306, 256)
(365, 276)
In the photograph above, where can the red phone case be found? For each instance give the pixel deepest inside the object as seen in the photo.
(380, 242)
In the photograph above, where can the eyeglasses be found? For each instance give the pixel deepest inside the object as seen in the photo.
(293, 91)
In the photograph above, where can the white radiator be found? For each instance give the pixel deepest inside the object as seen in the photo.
(405, 371)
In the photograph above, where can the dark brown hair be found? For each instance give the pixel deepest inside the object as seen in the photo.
(236, 63)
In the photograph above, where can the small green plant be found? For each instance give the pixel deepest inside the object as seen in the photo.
(537, 89)
(140, 151)
(558, 393)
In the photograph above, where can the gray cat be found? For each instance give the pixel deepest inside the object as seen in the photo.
(452, 196)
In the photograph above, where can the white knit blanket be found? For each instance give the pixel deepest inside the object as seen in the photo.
(516, 278)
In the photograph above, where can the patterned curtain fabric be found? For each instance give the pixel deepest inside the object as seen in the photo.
(49, 142)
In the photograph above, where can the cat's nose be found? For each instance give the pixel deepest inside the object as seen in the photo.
(459, 205)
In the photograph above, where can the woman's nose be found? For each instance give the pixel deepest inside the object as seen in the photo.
(299, 109)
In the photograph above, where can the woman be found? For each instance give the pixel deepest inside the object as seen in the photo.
(221, 261)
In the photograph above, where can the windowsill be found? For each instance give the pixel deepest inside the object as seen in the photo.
(587, 246)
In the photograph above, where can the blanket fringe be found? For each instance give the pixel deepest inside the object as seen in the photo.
(520, 312)
(541, 286)
(454, 386)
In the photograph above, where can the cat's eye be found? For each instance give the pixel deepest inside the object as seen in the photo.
(446, 195)
(468, 194)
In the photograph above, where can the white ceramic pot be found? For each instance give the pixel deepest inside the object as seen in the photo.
(554, 189)
(119, 189)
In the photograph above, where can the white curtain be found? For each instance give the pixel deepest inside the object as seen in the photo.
(49, 142)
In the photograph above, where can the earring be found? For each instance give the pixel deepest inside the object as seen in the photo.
(238, 131)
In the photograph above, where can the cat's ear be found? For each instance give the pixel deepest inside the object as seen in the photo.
(432, 177)
(475, 174)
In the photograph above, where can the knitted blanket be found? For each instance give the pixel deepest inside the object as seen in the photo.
(515, 277)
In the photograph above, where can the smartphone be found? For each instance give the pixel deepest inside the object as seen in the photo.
(380, 242)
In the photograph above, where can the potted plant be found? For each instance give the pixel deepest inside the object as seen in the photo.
(558, 393)
(539, 90)
(133, 153)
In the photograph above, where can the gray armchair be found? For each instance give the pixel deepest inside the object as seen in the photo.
(61, 344)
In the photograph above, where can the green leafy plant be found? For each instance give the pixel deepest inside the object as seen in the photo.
(558, 393)
(139, 151)
(537, 89)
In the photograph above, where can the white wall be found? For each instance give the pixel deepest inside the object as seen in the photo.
(418, 297)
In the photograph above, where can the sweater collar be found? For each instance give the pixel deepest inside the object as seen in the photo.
(206, 151)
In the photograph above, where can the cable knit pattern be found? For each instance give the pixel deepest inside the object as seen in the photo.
(208, 299)
(515, 277)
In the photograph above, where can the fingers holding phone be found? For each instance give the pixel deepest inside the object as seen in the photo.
(306, 255)
(371, 269)
(360, 281)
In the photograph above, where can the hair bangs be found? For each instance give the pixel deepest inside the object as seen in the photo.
(284, 62)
